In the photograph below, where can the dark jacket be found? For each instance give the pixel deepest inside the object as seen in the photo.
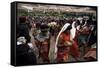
(23, 56)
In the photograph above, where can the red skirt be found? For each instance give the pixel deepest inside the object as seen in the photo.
(62, 54)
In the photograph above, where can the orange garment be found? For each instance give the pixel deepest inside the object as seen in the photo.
(64, 50)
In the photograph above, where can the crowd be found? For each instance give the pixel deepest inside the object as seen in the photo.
(74, 37)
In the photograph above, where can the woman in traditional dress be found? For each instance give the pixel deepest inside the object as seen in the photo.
(66, 44)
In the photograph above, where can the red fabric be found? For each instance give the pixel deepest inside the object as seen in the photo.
(43, 50)
(66, 37)
(62, 56)
(72, 51)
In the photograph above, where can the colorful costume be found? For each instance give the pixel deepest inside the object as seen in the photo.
(42, 43)
(68, 45)
(64, 50)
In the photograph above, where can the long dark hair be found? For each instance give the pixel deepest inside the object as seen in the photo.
(68, 28)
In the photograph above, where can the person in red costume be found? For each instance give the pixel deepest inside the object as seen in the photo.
(67, 44)
(42, 41)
